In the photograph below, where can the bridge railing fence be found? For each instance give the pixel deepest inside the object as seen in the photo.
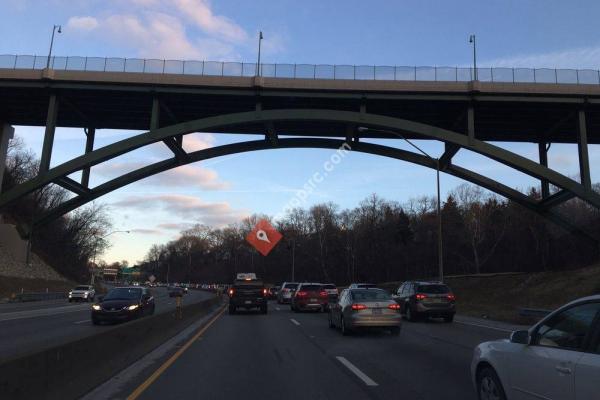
(303, 71)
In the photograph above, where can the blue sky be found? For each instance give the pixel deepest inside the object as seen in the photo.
(509, 33)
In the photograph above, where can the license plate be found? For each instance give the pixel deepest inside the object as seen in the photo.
(376, 311)
(436, 300)
(313, 300)
(248, 302)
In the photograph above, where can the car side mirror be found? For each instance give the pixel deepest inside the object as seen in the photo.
(520, 337)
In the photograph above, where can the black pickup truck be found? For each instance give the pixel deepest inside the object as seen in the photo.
(248, 293)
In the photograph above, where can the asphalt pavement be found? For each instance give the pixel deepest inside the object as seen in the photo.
(29, 327)
(297, 356)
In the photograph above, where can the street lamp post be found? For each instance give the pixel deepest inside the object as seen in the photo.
(472, 40)
(96, 250)
(439, 208)
(260, 38)
(52, 43)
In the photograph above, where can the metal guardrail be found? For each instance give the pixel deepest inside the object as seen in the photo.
(533, 312)
(303, 71)
(23, 297)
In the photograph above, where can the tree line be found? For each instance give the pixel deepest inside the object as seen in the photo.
(382, 240)
(67, 244)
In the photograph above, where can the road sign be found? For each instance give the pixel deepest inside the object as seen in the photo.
(263, 237)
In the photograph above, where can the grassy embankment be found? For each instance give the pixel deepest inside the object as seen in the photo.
(500, 296)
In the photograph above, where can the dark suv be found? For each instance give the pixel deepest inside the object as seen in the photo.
(248, 293)
(426, 299)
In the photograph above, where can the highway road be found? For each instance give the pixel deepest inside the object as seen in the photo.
(297, 356)
(28, 327)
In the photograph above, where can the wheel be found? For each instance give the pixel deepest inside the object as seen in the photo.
(449, 318)
(395, 330)
(330, 320)
(345, 330)
(231, 310)
(409, 314)
(489, 386)
(263, 309)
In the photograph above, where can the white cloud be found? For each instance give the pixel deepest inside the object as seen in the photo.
(199, 12)
(578, 58)
(198, 141)
(82, 23)
(189, 207)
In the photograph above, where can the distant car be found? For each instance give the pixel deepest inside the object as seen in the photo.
(309, 296)
(362, 286)
(175, 291)
(426, 299)
(273, 292)
(557, 358)
(82, 293)
(287, 290)
(361, 308)
(123, 304)
(248, 293)
(332, 292)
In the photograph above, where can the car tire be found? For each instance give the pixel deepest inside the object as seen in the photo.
(231, 310)
(409, 314)
(345, 330)
(489, 385)
(449, 318)
(330, 320)
(395, 330)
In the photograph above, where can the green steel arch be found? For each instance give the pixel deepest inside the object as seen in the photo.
(270, 118)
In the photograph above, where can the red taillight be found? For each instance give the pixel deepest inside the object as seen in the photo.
(451, 297)
(394, 306)
(301, 293)
(323, 293)
(265, 291)
(230, 292)
(420, 296)
(358, 306)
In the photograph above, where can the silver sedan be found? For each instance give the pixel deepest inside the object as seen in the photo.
(357, 308)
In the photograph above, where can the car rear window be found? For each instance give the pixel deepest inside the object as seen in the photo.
(370, 294)
(82, 288)
(311, 287)
(329, 286)
(366, 285)
(433, 289)
(291, 285)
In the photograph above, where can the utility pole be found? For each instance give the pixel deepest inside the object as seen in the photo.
(472, 40)
(260, 38)
(52, 43)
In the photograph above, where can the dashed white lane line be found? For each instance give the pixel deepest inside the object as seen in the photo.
(361, 375)
(484, 326)
(82, 322)
(294, 321)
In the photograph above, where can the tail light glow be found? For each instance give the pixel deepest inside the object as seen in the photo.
(358, 306)
(451, 297)
(265, 291)
(301, 293)
(420, 296)
(323, 293)
(394, 306)
(230, 292)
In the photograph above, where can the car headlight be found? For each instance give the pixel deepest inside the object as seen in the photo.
(132, 307)
(96, 307)
(85, 295)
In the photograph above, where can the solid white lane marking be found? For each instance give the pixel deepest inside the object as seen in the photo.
(294, 321)
(484, 326)
(82, 322)
(361, 375)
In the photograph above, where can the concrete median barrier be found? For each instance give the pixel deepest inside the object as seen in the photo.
(70, 370)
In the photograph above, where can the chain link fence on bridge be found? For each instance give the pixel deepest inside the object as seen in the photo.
(303, 71)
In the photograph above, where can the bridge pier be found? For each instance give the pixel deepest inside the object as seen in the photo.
(7, 132)
(89, 147)
(543, 151)
(582, 146)
(49, 134)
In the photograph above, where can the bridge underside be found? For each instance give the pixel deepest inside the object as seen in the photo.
(466, 120)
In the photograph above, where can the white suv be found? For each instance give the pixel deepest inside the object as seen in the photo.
(558, 358)
(83, 292)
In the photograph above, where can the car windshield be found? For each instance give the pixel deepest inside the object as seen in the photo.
(433, 289)
(82, 288)
(370, 294)
(123, 294)
(329, 286)
(311, 287)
